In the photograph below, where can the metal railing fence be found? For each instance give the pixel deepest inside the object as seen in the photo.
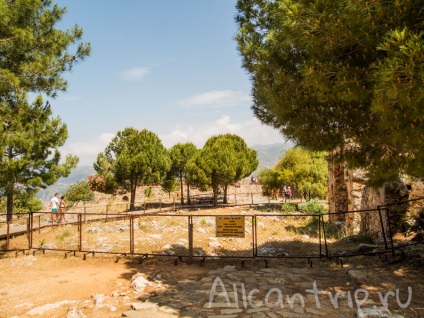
(265, 235)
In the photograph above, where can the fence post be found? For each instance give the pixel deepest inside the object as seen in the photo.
(190, 239)
(131, 234)
(325, 237)
(319, 235)
(30, 228)
(80, 230)
(382, 227)
(254, 237)
(251, 195)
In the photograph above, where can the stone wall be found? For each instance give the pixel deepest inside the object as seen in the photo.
(348, 192)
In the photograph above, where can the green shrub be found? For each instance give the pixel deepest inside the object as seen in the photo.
(288, 207)
(312, 207)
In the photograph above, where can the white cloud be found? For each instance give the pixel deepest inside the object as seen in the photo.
(252, 131)
(216, 99)
(87, 150)
(134, 74)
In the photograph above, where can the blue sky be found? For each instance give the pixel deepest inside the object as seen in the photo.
(171, 67)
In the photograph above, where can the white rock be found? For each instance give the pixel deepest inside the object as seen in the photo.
(139, 282)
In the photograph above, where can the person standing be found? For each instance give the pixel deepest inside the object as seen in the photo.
(54, 202)
(62, 209)
(288, 193)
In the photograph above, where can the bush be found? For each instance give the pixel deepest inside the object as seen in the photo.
(287, 207)
(311, 207)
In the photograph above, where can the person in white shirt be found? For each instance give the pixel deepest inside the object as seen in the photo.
(54, 202)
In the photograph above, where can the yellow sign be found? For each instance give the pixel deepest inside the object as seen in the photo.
(230, 226)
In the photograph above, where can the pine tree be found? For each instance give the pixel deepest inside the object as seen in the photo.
(29, 141)
(34, 53)
(133, 158)
(180, 154)
(342, 75)
(224, 160)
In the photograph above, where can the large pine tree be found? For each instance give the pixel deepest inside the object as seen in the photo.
(34, 54)
(344, 75)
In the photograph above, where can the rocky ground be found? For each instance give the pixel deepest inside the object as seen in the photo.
(50, 285)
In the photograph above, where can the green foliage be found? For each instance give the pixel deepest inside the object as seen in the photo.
(78, 192)
(288, 207)
(34, 53)
(344, 75)
(148, 192)
(180, 154)
(271, 180)
(169, 184)
(133, 158)
(63, 235)
(29, 142)
(23, 202)
(224, 160)
(311, 207)
(306, 171)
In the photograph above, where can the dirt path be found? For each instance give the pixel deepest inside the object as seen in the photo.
(28, 282)
(100, 286)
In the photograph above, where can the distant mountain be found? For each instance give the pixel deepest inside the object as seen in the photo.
(78, 174)
(268, 155)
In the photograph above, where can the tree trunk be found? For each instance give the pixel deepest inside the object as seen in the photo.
(215, 195)
(132, 199)
(188, 194)
(182, 191)
(225, 194)
(9, 205)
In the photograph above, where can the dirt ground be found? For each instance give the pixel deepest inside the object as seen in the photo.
(100, 285)
(29, 281)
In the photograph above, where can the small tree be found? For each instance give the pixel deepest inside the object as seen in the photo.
(180, 154)
(271, 180)
(133, 158)
(224, 160)
(79, 192)
(306, 170)
(169, 184)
